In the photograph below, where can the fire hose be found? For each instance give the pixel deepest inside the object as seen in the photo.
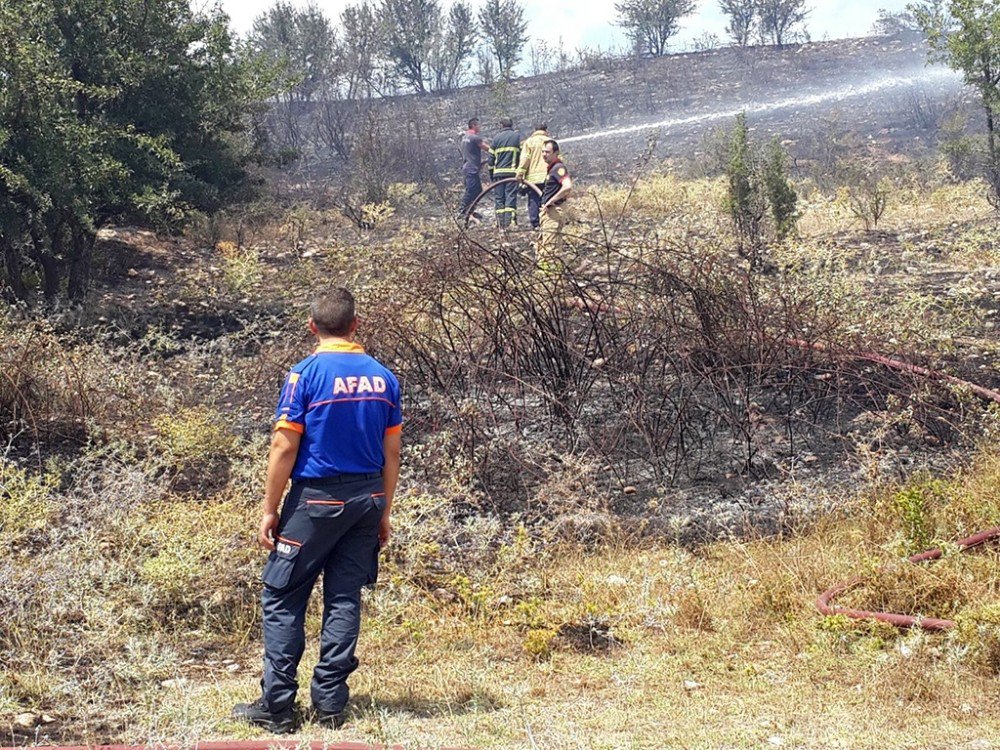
(233, 745)
(467, 214)
(824, 602)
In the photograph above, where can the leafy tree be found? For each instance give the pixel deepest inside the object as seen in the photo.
(113, 110)
(411, 29)
(777, 19)
(456, 44)
(760, 199)
(745, 200)
(358, 53)
(651, 23)
(781, 196)
(505, 31)
(967, 38)
(298, 45)
(904, 21)
(742, 15)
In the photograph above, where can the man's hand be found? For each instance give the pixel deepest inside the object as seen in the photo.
(268, 530)
(384, 531)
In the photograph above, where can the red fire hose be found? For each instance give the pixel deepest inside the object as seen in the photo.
(824, 603)
(243, 745)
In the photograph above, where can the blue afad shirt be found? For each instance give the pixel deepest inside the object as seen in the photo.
(343, 403)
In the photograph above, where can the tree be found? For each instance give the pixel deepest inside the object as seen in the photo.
(455, 45)
(651, 23)
(907, 21)
(760, 199)
(505, 32)
(358, 53)
(967, 38)
(778, 18)
(298, 45)
(113, 110)
(781, 196)
(742, 15)
(410, 28)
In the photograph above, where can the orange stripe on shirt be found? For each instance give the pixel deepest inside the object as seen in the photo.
(395, 430)
(284, 424)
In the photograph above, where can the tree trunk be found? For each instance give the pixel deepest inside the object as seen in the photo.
(79, 269)
(49, 263)
(13, 270)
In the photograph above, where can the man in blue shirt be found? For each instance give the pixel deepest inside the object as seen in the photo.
(337, 435)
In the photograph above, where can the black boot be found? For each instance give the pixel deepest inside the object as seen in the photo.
(328, 719)
(256, 713)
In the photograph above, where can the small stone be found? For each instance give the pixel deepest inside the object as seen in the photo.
(630, 490)
(443, 595)
(775, 740)
(46, 719)
(176, 683)
(26, 720)
(233, 668)
(691, 685)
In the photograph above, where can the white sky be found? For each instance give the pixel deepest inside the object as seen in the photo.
(591, 22)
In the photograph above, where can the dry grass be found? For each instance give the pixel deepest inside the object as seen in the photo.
(128, 579)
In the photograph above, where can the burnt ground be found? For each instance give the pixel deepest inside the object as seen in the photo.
(825, 100)
(870, 96)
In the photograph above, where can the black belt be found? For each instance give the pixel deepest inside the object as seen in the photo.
(336, 479)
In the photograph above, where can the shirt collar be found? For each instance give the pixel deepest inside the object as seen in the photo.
(340, 346)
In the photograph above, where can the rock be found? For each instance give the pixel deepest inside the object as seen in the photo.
(233, 668)
(46, 719)
(443, 595)
(630, 490)
(176, 683)
(26, 720)
(775, 741)
(691, 685)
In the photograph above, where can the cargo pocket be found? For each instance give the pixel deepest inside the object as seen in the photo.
(319, 504)
(280, 564)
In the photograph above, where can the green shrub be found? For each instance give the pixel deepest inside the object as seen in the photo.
(26, 502)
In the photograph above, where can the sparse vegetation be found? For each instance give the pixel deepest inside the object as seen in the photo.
(625, 483)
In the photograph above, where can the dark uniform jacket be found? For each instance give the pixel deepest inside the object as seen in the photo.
(505, 154)
(553, 182)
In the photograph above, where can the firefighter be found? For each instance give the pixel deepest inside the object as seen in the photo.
(473, 145)
(554, 212)
(505, 153)
(532, 169)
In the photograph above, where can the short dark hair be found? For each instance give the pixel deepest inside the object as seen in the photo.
(473, 122)
(506, 122)
(541, 126)
(555, 146)
(333, 312)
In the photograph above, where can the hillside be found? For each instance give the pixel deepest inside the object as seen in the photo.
(625, 481)
(879, 91)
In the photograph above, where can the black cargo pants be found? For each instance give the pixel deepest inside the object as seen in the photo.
(327, 526)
